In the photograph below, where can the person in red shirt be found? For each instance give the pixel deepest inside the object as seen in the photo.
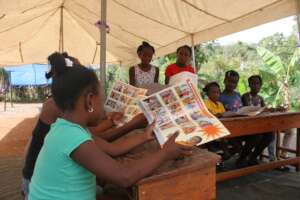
(184, 54)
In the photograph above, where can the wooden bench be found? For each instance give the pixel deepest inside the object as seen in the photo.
(242, 126)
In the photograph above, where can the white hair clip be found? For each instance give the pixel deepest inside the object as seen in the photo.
(69, 63)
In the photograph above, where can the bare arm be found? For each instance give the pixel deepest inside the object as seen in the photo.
(167, 80)
(104, 167)
(101, 127)
(124, 145)
(27, 146)
(156, 75)
(131, 76)
(138, 121)
(262, 102)
(120, 146)
(50, 112)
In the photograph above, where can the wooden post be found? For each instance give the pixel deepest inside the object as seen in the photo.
(5, 100)
(10, 89)
(20, 52)
(298, 148)
(278, 143)
(298, 130)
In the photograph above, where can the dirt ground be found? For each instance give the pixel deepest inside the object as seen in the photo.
(16, 124)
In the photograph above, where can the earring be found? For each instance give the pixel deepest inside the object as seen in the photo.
(91, 110)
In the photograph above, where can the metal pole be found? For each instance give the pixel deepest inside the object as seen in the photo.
(298, 20)
(103, 49)
(193, 52)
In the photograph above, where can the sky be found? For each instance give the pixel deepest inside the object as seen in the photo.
(255, 34)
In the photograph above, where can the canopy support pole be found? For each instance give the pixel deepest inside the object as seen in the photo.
(193, 52)
(103, 50)
(298, 20)
(20, 52)
(95, 52)
(61, 31)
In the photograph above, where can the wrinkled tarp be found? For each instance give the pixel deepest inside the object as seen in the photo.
(28, 75)
(32, 29)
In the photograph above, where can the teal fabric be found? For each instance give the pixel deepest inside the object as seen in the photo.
(56, 175)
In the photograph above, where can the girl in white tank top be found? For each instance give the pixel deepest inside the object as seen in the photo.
(144, 73)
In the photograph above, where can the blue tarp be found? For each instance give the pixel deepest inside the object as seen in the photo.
(28, 75)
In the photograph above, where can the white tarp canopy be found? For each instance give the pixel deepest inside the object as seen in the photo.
(32, 29)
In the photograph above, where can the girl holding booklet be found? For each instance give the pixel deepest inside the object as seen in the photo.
(70, 160)
(50, 112)
(184, 54)
(144, 73)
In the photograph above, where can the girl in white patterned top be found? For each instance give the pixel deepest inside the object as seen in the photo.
(144, 73)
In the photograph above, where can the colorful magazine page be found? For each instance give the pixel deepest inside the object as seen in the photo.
(183, 77)
(180, 108)
(123, 98)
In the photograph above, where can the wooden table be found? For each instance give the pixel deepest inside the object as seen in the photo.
(191, 178)
(241, 126)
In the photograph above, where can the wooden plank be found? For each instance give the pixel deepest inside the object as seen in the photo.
(257, 168)
(192, 178)
(267, 123)
(242, 126)
(192, 186)
(278, 142)
(298, 148)
(287, 149)
(200, 160)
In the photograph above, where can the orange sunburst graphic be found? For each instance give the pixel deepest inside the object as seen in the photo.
(212, 131)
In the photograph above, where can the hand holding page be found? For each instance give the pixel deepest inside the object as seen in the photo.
(180, 108)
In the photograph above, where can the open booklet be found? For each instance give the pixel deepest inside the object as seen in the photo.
(180, 108)
(184, 76)
(124, 98)
(245, 111)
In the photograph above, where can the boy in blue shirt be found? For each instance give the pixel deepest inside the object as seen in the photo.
(232, 102)
(229, 97)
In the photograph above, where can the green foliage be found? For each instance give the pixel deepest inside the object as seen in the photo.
(272, 62)
(280, 78)
(163, 63)
(275, 58)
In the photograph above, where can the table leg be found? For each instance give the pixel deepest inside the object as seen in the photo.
(298, 148)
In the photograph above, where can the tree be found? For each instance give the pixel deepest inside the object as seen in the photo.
(280, 77)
